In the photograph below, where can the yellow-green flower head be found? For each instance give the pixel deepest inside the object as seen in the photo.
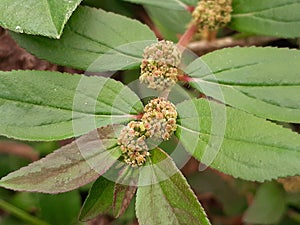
(159, 66)
(158, 122)
(158, 76)
(133, 145)
(212, 14)
(159, 119)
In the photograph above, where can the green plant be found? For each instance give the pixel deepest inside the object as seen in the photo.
(233, 128)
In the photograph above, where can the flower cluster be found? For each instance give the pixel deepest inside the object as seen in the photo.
(159, 66)
(159, 118)
(212, 14)
(158, 122)
(133, 145)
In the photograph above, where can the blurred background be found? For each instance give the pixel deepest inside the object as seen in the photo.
(227, 201)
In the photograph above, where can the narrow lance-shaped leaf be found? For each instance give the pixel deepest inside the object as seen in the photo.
(111, 193)
(40, 105)
(164, 196)
(41, 17)
(268, 17)
(69, 167)
(261, 81)
(99, 200)
(268, 205)
(93, 40)
(236, 142)
(125, 188)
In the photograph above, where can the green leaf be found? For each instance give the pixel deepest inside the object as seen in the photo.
(293, 199)
(61, 209)
(10, 162)
(43, 105)
(261, 81)
(169, 24)
(237, 143)
(99, 200)
(129, 215)
(25, 201)
(164, 196)
(90, 36)
(41, 17)
(10, 220)
(125, 188)
(69, 167)
(268, 205)
(116, 6)
(166, 4)
(269, 17)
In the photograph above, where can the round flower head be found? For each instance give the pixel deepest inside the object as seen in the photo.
(133, 145)
(212, 14)
(163, 51)
(158, 76)
(159, 66)
(159, 119)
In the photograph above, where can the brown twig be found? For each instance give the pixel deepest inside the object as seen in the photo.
(203, 47)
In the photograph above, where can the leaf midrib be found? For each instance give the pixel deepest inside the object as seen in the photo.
(65, 109)
(51, 17)
(164, 195)
(274, 20)
(235, 87)
(263, 10)
(108, 46)
(247, 163)
(266, 101)
(224, 83)
(235, 139)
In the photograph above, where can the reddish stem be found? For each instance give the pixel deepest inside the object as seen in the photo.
(139, 116)
(201, 95)
(188, 35)
(190, 8)
(184, 78)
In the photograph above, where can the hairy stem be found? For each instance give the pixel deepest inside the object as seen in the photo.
(202, 47)
(184, 78)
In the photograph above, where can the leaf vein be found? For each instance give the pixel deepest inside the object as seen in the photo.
(265, 9)
(236, 139)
